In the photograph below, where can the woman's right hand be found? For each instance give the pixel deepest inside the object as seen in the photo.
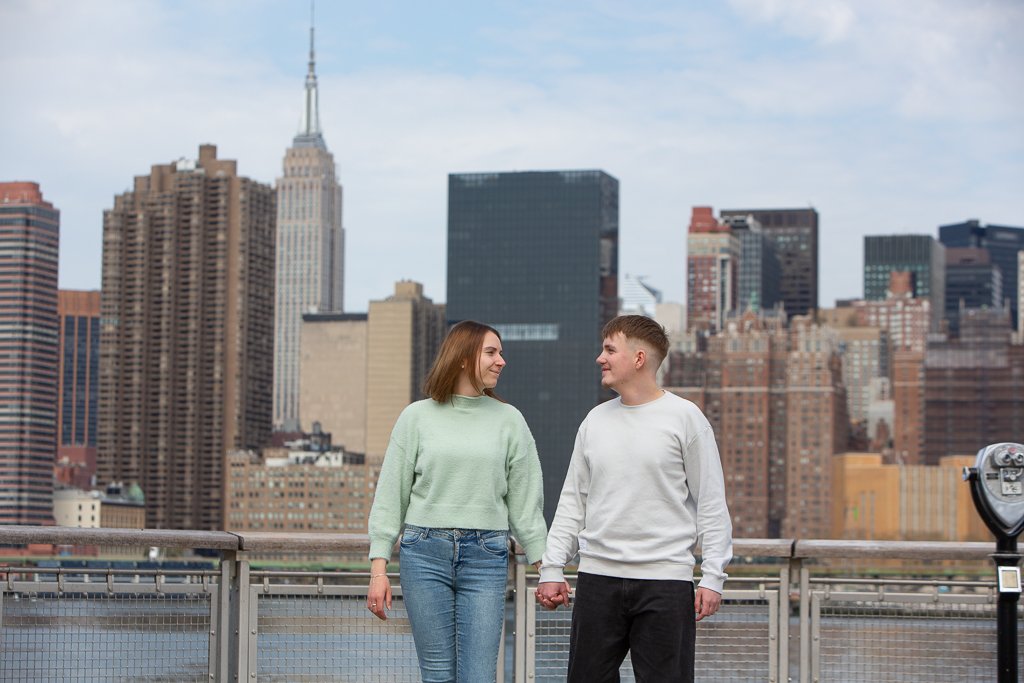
(378, 595)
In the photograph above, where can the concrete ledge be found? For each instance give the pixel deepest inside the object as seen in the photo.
(763, 547)
(160, 538)
(782, 548)
(305, 542)
(899, 550)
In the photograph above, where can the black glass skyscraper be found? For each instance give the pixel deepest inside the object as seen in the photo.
(535, 254)
(972, 281)
(794, 236)
(1000, 241)
(760, 272)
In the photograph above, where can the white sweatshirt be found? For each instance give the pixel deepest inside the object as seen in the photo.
(644, 485)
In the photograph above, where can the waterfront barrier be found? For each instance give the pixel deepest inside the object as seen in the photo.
(793, 610)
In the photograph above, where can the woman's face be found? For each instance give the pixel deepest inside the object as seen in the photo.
(490, 363)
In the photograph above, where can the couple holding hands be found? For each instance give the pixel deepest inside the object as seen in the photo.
(644, 485)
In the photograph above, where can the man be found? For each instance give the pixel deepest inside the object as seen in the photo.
(644, 485)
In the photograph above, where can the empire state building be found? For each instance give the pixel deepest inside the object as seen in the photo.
(310, 249)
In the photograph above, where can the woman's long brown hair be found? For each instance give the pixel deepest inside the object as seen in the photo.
(460, 349)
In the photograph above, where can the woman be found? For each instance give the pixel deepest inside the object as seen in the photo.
(460, 471)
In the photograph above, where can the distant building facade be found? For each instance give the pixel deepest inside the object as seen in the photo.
(77, 508)
(908, 406)
(360, 370)
(906, 318)
(794, 237)
(817, 427)
(301, 487)
(759, 274)
(1003, 244)
(712, 271)
(310, 250)
(864, 352)
(186, 354)
(29, 244)
(78, 396)
(879, 501)
(921, 255)
(333, 379)
(776, 401)
(973, 387)
(638, 297)
(536, 255)
(972, 281)
(93, 509)
(404, 334)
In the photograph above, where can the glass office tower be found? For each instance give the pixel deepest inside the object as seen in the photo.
(535, 254)
(1002, 242)
(921, 255)
(794, 237)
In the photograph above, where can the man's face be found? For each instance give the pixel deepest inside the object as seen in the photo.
(617, 361)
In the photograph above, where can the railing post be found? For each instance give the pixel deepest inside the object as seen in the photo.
(805, 625)
(221, 648)
(784, 635)
(519, 659)
(242, 614)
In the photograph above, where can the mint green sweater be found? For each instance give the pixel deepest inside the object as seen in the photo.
(470, 463)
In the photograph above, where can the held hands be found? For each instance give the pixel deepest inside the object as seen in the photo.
(706, 602)
(551, 594)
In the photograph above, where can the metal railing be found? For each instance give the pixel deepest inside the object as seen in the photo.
(792, 610)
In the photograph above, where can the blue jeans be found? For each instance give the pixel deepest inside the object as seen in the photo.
(453, 585)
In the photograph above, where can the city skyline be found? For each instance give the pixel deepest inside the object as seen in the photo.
(886, 119)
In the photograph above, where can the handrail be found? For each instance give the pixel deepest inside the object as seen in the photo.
(159, 538)
(308, 542)
(896, 550)
(255, 541)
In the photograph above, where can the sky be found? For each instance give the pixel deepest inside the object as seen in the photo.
(887, 117)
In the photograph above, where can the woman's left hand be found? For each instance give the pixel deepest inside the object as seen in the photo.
(379, 596)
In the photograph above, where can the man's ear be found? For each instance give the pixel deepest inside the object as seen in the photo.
(641, 357)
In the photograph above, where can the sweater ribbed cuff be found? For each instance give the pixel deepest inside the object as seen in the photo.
(381, 549)
(715, 583)
(552, 574)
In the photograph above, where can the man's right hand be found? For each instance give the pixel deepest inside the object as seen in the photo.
(551, 594)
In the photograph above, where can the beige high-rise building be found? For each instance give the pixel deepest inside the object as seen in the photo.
(877, 501)
(359, 371)
(333, 376)
(404, 334)
(186, 358)
(310, 251)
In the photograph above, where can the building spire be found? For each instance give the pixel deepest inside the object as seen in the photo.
(309, 129)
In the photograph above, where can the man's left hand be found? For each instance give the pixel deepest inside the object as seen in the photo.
(706, 602)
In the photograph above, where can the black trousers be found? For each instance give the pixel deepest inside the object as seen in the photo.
(653, 620)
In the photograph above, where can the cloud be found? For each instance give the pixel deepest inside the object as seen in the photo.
(825, 21)
(887, 117)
